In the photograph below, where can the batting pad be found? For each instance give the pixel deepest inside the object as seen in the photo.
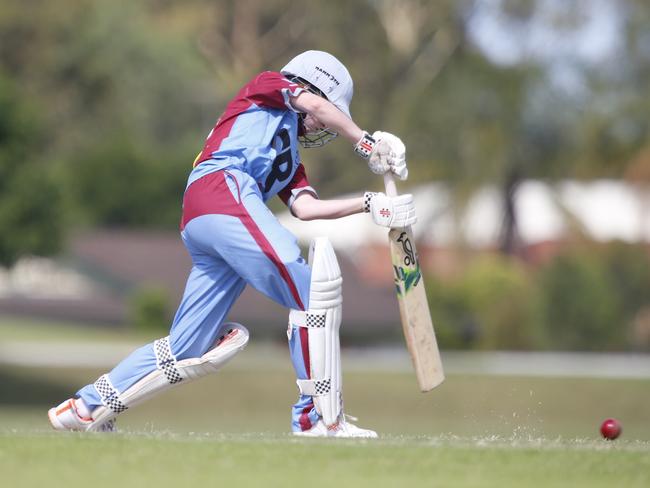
(323, 321)
(233, 338)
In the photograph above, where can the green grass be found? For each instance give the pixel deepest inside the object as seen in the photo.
(231, 429)
(280, 461)
(21, 329)
(243, 399)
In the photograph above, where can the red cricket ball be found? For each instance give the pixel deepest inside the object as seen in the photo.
(610, 429)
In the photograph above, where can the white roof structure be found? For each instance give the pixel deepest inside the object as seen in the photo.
(603, 209)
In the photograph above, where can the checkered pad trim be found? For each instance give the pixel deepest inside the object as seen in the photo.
(322, 387)
(109, 395)
(367, 198)
(165, 360)
(316, 321)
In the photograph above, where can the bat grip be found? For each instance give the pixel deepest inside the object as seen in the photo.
(389, 183)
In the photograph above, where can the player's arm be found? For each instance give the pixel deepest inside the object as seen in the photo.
(308, 207)
(328, 115)
(383, 151)
(394, 212)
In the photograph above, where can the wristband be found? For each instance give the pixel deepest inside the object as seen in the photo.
(367, 197)
(365, 145)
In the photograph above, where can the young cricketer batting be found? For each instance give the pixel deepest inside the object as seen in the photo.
(251, 155)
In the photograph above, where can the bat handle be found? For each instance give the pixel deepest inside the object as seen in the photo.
(389, 183)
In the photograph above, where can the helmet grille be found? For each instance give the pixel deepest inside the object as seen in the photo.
(308, 86)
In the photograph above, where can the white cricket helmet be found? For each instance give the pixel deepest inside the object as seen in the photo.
(326, 73)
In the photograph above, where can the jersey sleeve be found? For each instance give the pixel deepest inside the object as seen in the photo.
(296, 186)
(273, 90)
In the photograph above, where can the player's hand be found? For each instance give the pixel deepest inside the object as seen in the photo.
(393, 212)
(384, 152)
(389, 154)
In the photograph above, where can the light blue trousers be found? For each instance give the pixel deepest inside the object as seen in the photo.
(233, 240)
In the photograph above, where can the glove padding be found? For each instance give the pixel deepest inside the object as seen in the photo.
(388, 154)
(393, 212)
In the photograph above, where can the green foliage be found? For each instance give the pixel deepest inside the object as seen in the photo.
(121, 102)
(488, 307)
(499, 295)
(31, 220)
(150, 311)
(126, 185)
(455, 327)
(628, 267)
(628, 270)
(146, 80)
(579, 306)
(590, 296)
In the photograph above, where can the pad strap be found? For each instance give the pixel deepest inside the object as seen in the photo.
(166, 361)
(310, 320)
(314, 387)
(109, 395)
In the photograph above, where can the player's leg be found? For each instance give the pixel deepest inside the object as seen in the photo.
(198, 344)
(233, 239)
(267, 256)
(316, 352)
(303, 413)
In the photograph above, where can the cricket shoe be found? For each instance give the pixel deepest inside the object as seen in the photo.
(342, 428)
(66, 417)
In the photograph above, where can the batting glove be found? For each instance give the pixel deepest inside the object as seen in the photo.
(393, 212)
(390, 152)
(384, 152)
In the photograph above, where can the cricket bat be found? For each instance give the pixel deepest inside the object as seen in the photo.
(413, 306)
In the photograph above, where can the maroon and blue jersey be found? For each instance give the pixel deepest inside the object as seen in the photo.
(258, 134)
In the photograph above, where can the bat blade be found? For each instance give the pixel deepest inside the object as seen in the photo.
(414, 310)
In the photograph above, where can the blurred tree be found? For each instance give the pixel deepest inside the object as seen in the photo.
(500, 297)
(156, 75)
(31, 220)
(125, 185)
(489, 307)
(616, 123)
(580, 306)
(114, 88)
(628, 269)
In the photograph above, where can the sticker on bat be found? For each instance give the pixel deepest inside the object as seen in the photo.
(409, 278)
(409, 256)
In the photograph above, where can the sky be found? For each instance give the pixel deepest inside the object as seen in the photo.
(594, 38)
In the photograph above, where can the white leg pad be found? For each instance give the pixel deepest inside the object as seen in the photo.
(323, 319)
(170, 372)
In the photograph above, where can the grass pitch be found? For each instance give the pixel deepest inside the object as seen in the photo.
(230, 429)
(267, 460)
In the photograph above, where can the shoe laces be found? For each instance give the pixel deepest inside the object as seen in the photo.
(345, 422)
(345, 417)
